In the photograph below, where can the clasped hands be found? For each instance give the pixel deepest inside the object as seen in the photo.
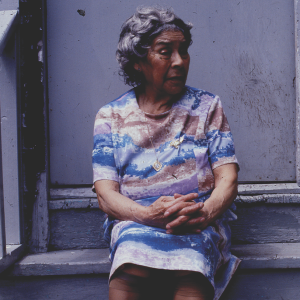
(178, 214)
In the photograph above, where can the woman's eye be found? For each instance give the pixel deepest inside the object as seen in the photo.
(165, 52)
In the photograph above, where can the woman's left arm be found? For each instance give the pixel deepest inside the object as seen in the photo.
(222, 197)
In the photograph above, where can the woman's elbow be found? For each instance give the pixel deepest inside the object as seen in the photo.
(103, 189)
(100, 202)
(98, 186)
(235, 189)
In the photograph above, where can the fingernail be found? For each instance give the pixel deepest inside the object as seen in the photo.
(198, 230)
(168, 232)
(168, 226)
(167, 213)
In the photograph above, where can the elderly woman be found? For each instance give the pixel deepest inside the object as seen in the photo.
(165, 170)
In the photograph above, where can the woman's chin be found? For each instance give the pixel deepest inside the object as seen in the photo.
(175, 87)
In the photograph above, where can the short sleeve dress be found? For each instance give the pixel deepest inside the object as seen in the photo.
(189, 140)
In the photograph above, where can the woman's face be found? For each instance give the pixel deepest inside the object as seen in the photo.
(167, 64)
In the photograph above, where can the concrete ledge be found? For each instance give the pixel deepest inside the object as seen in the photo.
(268, 256)
(73, 203)
(64, 262)
(244, 189)
(268, 199)
(79, 198)
(269, 188)
(95, 261)
(241, 199)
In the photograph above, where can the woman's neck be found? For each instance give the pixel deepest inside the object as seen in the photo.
(153, 103)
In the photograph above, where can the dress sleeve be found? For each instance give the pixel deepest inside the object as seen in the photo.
(104, 166)
(220, 141)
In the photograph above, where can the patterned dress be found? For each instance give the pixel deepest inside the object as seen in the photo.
(123, 152)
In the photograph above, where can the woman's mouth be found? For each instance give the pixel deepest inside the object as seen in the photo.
(177, 78)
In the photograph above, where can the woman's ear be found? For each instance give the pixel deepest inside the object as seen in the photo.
(137, 67)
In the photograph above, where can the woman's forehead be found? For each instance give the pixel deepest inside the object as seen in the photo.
(170, 36)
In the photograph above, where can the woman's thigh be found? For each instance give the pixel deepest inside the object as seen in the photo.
(156, 284)
(137, 270)
(167, 284)
(192, 286)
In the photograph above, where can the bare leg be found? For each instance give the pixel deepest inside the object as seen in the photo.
(115, 294)
(192, 286)
(129, 283)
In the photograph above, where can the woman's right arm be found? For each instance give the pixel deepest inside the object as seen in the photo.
(116, 205)
(122, 208)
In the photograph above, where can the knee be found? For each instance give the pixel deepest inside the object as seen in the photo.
(193, 285)
(136, 270)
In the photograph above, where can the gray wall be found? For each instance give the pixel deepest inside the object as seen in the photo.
(243, 51)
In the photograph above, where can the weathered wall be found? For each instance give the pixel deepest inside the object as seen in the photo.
(242, 51)
(77, 229)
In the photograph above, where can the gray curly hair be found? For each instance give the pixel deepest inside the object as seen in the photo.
(137, 34)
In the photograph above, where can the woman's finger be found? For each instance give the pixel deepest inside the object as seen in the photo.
(190, 222)
(188, 197)
(175, 206)
(178, 222)
(195, 222)
(183, 230)
(176, 195)
(190, 210)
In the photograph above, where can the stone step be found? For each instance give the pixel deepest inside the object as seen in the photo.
(95, 261)
(269, 271)
(265, 222)
(76, 223)
(72, 287)
(260, 284)
(64, 262)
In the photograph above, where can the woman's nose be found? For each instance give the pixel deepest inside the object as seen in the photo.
(177, 59)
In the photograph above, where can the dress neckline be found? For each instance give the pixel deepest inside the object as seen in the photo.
(154, 115)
